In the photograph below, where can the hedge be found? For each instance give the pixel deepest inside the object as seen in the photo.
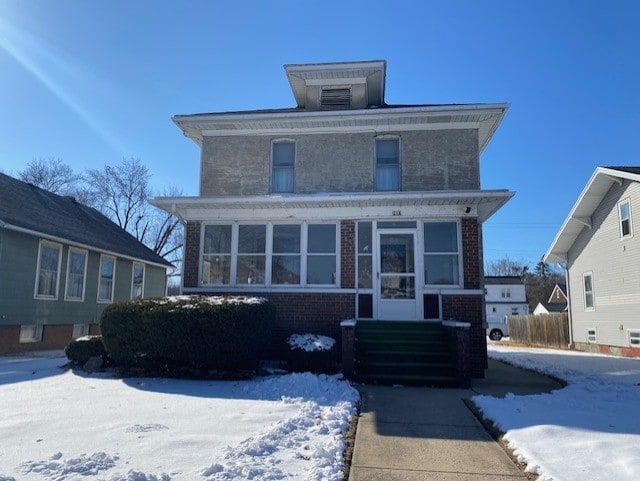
(195, 332)
(311, 352)
(81, 349)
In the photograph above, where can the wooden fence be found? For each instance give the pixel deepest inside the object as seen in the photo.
(547, 330)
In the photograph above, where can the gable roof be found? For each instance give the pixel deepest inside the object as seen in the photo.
(27, 208)
(588, 201)
(554, 307)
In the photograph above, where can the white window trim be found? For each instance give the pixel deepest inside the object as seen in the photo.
(295, 161)
(80, 330)
(375, 161)
(634, 333)
(35, 291)
(38, 333)
(144, 274)
(84, 275)
(595, 336)
(421, 227)
(269, 255)
(113, 280)
(630, 234)
(584, 292)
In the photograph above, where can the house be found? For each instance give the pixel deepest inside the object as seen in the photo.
(504, 296)
(600, 248)
(558, 295)
(61, 263)
(343, 207)
(549, 308)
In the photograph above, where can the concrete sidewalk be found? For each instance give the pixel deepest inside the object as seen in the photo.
(415, 433)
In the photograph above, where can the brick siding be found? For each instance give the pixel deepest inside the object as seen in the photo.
(348, 254)
(53, 337)
(191, 254)
(469, 309)
(471, 255)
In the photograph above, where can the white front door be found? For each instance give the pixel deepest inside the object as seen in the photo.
(396, 275)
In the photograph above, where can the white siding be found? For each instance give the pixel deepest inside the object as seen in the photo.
(615, 267)
(497, 306)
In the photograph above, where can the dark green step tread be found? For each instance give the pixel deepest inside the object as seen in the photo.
(405, 364)
(407, 377)
(401, 352)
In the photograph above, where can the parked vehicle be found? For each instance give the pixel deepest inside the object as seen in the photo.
(498, 328)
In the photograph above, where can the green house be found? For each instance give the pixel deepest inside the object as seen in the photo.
(61, 263)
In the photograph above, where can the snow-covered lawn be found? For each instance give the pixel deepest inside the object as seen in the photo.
(587, 431)
(63, 425)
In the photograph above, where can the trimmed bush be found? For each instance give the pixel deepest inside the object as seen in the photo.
(192, 332)
(311, 352)
(80, 350)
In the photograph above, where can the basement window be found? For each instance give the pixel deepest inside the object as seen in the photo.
(30, 333)
(634, 338)
(591, 336)
(335, 98)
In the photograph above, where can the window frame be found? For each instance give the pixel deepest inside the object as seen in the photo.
(133, 273)
(592, 338)
(113, 279)
(460, 270)
(585, 292)
(383, 138)
(85, 253)
(269, 254)
(272, 168)
(634, 334)
(36, 293)
(84, 329)
(505, 293)
(626, 201)
(37, 331)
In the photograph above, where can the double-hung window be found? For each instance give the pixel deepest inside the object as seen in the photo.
(283, 160)
(506, 292)
(137, 281)
(107, 275)
(587, 280)
(48, 275)
(76, 274)
(387, 152)
(624, 214)
(441, 254)
(302, 254)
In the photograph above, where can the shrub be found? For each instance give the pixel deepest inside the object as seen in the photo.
(311, 352)
(80, 350)
(193, 332)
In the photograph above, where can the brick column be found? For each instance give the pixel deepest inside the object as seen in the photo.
(347, 254)
(471, 253)
(191, 254)
(348, 347)
(460, 347)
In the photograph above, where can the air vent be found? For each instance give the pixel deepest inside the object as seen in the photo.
(634, 338)
(335, 98)
(591, 336)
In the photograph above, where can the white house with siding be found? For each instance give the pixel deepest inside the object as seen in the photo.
(599, 242)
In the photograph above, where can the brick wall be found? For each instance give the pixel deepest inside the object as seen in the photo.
(348, 254)
(471, 253)
(469, 308)
(53, 337)
(191, 254)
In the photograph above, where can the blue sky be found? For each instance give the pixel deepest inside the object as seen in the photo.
(91, 82)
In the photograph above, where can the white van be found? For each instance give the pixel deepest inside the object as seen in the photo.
(498, 328)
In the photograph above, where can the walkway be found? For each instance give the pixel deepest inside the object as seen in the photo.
(415, 433)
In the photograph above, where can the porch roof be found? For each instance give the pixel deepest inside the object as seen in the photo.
(476, 203)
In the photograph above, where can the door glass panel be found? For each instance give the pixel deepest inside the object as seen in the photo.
(397, 287)
(396, 253)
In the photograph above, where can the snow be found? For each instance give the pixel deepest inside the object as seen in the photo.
(64, 425)
(588, 430)
(213, 300)
(310, 342)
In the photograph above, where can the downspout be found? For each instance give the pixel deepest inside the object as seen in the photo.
(570, 317)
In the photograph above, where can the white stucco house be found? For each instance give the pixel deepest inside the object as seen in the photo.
(600, 247)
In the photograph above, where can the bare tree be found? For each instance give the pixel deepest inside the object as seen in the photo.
(507, 267)
(50, 174)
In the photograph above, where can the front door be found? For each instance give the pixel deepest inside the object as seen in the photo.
(396, 274)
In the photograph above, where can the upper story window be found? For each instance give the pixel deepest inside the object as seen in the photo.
(441, 254)
(137, 281)
(283, 160)
(505, 292)
(587, 280)
(107, 275)
(48, 274)
(387, 152)
(624, 214)
(76, 273)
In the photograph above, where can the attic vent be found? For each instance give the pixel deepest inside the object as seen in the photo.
(335, 98)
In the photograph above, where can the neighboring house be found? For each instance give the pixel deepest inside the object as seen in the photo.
(549, 308)
(558, 295)
(599, 244)
(343, 207)
(61, 262)
(504, 296)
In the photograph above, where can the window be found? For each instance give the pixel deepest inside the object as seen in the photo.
(270, 254)
(30, 333)
(634, 338)
(76, 273)
(48, 270)
(587, 279)
(137, 281)
(283, 158)
(365, 255)
(216, 254)
(105, 282)
(506, 292)
(591, 336)
(387, 152)
(441, 253)
(514, 311)
(80, 330)
(624, 213)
